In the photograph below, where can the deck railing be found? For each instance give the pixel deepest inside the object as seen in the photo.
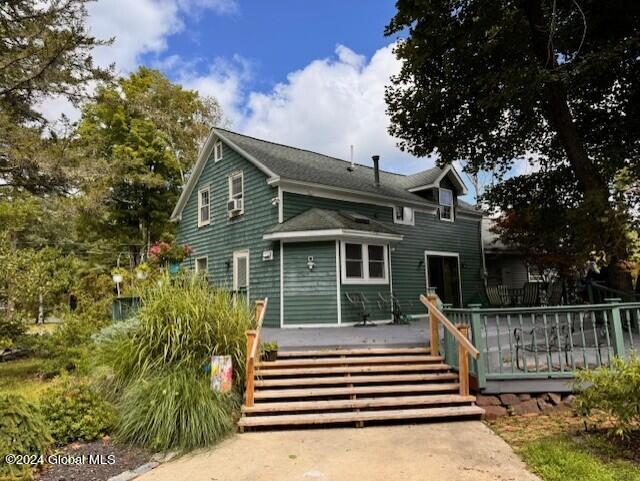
(253, 350)
(547, 342)
(458, 335)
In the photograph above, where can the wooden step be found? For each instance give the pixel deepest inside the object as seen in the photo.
(349, 360)
(361, 403)
(306, 371)
(371, 351)
(391, 378)
(347, 391)
(344, 417)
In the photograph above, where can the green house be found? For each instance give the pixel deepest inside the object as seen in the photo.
(325, 239)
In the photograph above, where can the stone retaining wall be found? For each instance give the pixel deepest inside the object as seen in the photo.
(523, 404)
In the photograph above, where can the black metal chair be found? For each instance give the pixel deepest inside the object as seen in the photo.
(359, 301)
(391, 303)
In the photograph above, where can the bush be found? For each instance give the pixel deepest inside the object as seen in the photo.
(22, 431)
(74, 411)
(11, 329)
(175, 410)
(613, 391)
(157, 363)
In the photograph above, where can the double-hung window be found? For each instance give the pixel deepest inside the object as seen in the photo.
(445, 198)
(236, 194)
(217, 151)
(364, 263)
(201, 265)
(204, 207)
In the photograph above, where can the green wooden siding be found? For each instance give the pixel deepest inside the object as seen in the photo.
(376, 312)
(407, 256)
(310, 296)
(223, 236)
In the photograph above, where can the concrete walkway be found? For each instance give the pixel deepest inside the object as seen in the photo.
(459, 451)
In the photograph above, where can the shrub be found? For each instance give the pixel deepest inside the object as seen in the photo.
(613, 391)
(74, 411)
(175, 410)
(11, 329)
(22, 431)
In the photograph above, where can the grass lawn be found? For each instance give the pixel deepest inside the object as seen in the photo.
(557, 448)
(20, 377)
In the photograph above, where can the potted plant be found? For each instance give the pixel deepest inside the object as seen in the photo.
(142, 271)
(270, 351)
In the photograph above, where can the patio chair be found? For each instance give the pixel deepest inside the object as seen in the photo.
(391, 303)
(530, 294)
(554, 297)
(359, 301)
(495, 300)
(505, 295)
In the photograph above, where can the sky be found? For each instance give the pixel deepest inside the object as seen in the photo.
(306, 73)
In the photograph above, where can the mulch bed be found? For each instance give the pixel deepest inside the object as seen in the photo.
(124, 458)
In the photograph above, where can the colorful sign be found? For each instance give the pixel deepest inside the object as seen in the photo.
(221, 373)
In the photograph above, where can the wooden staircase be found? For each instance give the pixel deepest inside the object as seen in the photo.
(353, 387)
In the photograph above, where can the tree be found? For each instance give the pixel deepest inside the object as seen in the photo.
(492, 81)
(139, 138)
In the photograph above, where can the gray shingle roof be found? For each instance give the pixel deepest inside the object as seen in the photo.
(306, 166)
(324, 219)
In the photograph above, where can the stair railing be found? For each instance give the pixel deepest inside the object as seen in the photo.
(460, 334)
(253, 350)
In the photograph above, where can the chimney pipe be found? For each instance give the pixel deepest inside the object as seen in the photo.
(376, 170)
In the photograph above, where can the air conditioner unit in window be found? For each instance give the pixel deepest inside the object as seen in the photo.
(234, 207)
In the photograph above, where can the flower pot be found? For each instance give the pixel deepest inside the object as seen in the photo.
(271, 355)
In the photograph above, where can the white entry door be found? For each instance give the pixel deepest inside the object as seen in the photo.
(241, 272)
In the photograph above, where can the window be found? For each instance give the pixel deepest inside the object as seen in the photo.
(403, 215)
(364, 263)
(241, 271)
(217, 151)
(236, 194)
(445, 197)
(204, 211)
(201, 265)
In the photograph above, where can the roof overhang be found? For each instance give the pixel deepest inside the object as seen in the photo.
(332, 234)
(449, 169)
(203, 156)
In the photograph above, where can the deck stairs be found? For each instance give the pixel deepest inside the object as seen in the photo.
(354, 387)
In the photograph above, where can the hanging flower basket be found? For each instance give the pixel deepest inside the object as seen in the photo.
(169, 255)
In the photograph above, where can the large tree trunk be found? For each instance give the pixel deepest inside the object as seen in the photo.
(556, 105)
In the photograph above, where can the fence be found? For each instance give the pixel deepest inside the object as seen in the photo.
(545, 342)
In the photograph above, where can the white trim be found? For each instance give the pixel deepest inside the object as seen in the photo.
(234, 274)
(404, 221)
(338, 282)
(195, 265)
(217, 145)
(436, 182)
(202, 223)
(443, 254)
(390, 282)
(230, 177)
(281, 284)
(280, 206)
(331, 234)
(365, 279)
(453, 215)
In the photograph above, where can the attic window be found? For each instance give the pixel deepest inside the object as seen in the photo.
(403, 215)
(217, 151)
(445, 199)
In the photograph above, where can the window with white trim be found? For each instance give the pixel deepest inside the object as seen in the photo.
(201, 265)
(236, 193)
(204, 207)
(241, 271)
(364, 263)
(217, 151)
(445, 199)
(403, 215)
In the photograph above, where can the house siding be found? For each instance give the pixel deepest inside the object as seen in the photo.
(310, 294)
(407, 256)
(223, 236)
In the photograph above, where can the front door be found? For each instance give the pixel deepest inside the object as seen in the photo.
(443, 274)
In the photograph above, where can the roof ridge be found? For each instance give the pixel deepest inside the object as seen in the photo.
(323, 155)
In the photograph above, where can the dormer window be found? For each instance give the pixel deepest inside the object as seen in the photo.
(403, 215)
(217, 151)
(445, 199)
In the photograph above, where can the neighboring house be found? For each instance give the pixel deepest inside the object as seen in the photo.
(505, 265)
(305, 230)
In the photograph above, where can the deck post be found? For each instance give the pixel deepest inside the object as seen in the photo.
(616, 324)
(463, 363)
(249, 374)
(476, 335)
(433, 324)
